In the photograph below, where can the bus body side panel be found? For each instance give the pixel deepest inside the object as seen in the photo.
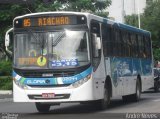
(99, 77)
(147, 74)
(124, 72)
(108, 73)
(147, 82)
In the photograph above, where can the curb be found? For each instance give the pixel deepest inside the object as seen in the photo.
(4, 92)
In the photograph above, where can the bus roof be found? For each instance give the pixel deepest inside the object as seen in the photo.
(121, 25)
(132, 28)
(57, 12)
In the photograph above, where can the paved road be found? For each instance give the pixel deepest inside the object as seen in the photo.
(149, 103)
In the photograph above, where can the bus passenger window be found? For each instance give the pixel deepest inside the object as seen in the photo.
(95, 29)
(96, 43)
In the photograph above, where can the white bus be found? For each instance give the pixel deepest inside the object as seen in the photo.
(64, 57)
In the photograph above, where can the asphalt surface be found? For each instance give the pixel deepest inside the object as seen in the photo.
(147, 108)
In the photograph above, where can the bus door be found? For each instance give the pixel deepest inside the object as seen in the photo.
(97, 59)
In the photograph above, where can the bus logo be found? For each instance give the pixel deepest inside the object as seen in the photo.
(47, 81)
(36, 81)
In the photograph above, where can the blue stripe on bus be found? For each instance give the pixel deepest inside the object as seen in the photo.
(53, 81)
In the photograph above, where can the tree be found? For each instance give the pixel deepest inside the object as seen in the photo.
(93, 6)
(150, 21)
(132, 20)
(7, 14)
(9, 11)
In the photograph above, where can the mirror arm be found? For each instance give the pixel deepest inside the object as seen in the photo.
(8, 51)
(6, 35)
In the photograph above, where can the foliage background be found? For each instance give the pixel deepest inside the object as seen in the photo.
(9, 11)
(150, 20)
(5, 75)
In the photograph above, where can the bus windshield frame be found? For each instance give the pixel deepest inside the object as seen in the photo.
(51, 49)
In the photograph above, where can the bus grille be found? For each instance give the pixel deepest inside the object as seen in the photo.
(47, 74)
(57, 96)
(49, 86)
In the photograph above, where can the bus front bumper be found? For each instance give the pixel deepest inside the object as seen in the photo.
(61, 94)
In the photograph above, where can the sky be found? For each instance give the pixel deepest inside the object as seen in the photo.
(130, 7)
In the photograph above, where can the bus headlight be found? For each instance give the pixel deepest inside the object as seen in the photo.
(23, 86)
(80, 82)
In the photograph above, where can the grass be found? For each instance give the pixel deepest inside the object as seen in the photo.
(5, 83)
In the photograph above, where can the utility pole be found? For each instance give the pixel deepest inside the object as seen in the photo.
(123, 12)
(139, 17)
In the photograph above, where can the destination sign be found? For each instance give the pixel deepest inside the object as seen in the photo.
(42, 21)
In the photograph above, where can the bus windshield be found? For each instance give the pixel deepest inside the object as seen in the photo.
(49, 50)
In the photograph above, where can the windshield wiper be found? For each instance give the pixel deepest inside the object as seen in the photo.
(31, 32)
(42, 47)
(42, 43)
(59, 38)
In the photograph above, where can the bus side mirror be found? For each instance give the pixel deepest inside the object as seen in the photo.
(7, 40)
(96, 41)
(96, 45)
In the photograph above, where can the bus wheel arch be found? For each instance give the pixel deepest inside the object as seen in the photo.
(136, 96)
(108, 83)
(105, 101)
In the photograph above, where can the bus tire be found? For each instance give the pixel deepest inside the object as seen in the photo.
(42, 108)
(104, 103)
(126, 98)
(136, 97)
(156, 86)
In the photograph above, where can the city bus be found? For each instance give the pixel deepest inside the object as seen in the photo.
(66, 57)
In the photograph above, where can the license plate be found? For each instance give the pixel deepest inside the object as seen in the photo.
(48, 95)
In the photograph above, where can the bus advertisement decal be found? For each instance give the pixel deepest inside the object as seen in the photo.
(123, 67)
(120, 67)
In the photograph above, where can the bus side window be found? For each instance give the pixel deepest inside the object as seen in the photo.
(95, 34)
(133, 40)
(109, 41)
(117, 42)
(104, 39)
(129, 44)
(148, 47)
(96, 41)
(140, 43)
(144, 47)
(125, 45)
(136, 46)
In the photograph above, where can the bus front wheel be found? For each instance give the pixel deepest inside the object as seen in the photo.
(104, 103)
(43, 108)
